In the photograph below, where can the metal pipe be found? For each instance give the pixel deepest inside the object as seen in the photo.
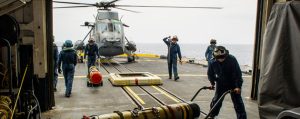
(15, 105)
(257, 49)
(50, 65)
(9, 64)
(173, 111)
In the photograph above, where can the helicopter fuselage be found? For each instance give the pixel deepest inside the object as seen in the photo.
(109, 34)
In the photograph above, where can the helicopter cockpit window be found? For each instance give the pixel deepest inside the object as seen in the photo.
(117, 28)
(109, 27)
(102, 27)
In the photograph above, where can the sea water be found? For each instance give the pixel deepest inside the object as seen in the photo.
(242, 52)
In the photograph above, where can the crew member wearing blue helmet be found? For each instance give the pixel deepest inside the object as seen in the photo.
(224, 72)
(68, 59)
(91, 49)
(173, 51)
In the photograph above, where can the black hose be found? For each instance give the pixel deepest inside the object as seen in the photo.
(218, 101)
(204, 87)
(9, 64)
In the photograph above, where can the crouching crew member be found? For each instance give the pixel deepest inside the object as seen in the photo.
(225, 72)
(173, 51)
(68, 59)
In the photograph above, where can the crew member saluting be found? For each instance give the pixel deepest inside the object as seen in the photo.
(173, 51)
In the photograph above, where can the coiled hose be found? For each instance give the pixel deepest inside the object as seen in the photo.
(5, 111)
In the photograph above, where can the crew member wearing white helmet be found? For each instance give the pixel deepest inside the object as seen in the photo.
(224, 72)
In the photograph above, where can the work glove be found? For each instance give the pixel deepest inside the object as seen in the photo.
(212, 87)
(180, 62)
(237, 90)
(59, 70)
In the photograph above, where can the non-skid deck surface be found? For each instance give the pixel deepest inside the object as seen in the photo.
(106, 99)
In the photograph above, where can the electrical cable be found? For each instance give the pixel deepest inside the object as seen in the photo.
(15, 105)
(30, 111)
(38, 104)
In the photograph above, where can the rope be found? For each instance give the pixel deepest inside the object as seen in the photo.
(15, 105)
(4, 106)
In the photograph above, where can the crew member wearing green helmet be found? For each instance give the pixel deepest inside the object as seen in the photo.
(68, 59)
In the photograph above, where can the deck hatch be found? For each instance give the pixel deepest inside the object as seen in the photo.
(134, 78)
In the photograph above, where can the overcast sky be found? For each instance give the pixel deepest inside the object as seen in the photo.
(234, 24)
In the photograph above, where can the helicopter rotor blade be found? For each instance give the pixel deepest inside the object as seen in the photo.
(169, 6)
(127, 10)
(71, 7)
(113, 1)
(75, 3)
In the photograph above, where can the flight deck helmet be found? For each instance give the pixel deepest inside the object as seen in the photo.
(213, 41)
(220, 52)
(68, 43)
(174, 38)
(91, 40)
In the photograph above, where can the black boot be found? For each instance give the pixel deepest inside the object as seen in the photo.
(176, 78)
(67, 95)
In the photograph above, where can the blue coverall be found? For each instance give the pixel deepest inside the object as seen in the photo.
(209, 52)
(55, 60)
(68, 59)
(173, 51)
(227, 76)
(92, 52)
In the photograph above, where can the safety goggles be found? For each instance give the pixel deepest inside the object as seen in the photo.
(219, 53)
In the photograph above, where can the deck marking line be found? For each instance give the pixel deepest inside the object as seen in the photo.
(195, 75)
(163, 92)
(135, 95)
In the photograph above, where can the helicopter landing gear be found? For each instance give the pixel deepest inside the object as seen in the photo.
(131, 58)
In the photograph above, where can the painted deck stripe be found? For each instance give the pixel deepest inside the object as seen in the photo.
(135, 95)
(163, 92)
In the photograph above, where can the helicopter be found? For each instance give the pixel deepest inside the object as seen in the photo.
(108, 30)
